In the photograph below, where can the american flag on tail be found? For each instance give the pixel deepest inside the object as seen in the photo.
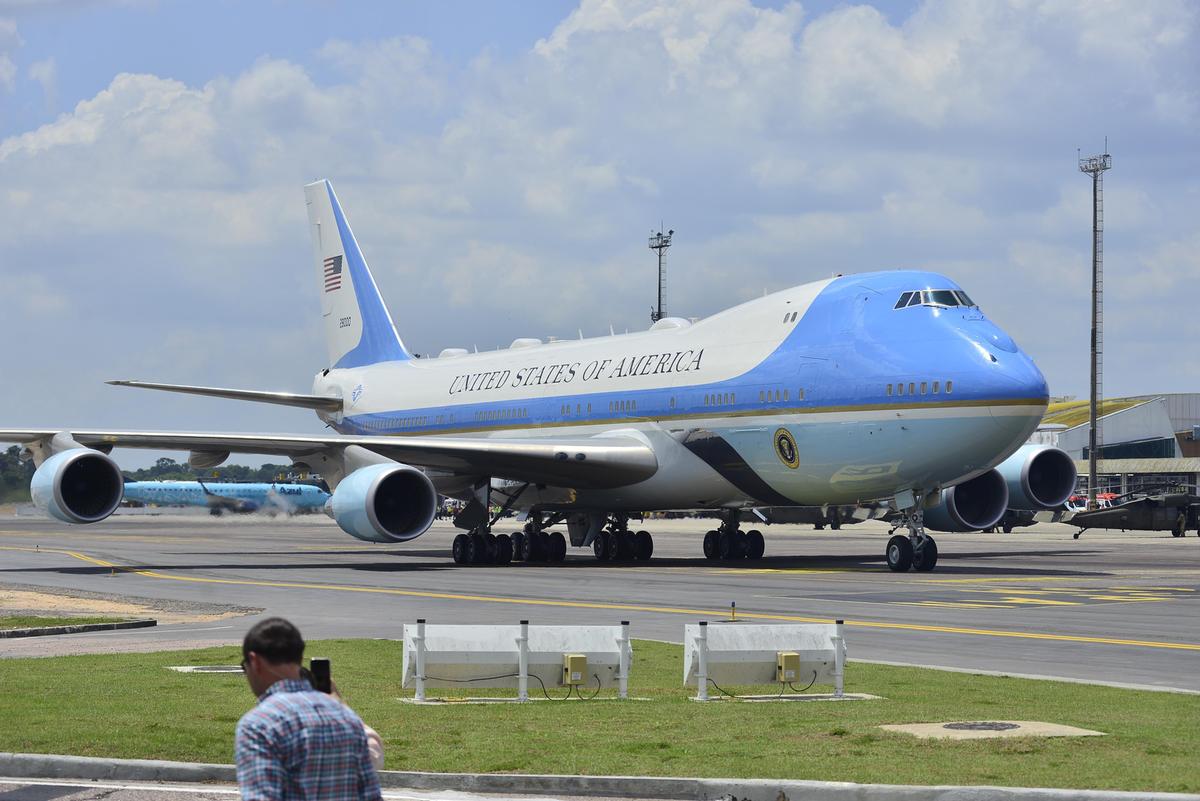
(333, 273)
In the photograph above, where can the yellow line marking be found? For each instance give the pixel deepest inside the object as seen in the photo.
(955, 604)
(806, 570)
(1014, 599)
(671, 610)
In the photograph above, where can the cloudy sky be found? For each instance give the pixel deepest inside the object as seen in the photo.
(502, 165)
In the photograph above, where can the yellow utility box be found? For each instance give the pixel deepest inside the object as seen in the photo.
(574, 669)
(787, 666)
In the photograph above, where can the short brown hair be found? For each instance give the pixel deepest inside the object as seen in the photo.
(275, 640)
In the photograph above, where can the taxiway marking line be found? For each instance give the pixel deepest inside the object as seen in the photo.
(669, 610)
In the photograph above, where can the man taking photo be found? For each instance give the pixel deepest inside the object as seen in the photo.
(298, 743)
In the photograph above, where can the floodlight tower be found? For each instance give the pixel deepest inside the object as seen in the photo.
(660, 242)
(1095, 167)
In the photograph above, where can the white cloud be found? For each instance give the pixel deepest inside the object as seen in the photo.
(512, 197)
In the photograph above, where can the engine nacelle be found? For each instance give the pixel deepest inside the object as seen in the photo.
(1039, 477)
(79, 485)
(388, 502)
(970, 506)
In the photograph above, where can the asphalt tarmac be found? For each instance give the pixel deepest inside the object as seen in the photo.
(1110, 607)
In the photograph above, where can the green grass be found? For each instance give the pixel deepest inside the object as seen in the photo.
(37, 622)
(1073, 413)
(75, 705)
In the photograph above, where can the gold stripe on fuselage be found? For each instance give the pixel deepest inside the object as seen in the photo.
(516, 425)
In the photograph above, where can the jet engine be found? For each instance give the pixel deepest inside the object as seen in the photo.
(387, 502)
(970, 506)
(79, 485)
(1039, 477)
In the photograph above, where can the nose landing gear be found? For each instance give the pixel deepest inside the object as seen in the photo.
(916, 550)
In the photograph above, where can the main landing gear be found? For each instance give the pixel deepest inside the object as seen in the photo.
(617, 543)
(730, 542)
(534, 544)
(916, 550)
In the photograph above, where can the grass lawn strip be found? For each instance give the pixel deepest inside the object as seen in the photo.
(9, 622)
(75, 705)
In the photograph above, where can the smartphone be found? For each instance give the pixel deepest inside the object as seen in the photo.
(322, 678)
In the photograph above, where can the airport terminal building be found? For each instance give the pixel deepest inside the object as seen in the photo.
(1147, 441)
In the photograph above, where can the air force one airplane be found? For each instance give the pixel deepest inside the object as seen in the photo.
(238, 497)
(880, 388)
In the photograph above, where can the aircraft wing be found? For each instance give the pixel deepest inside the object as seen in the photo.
(577, 462)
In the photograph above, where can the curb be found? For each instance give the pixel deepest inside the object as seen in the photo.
(47, 631)
(51, 766)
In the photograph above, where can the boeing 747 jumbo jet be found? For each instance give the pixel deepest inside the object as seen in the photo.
(882, 388)
(242, 498)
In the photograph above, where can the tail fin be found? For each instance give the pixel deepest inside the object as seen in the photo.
(358, 328)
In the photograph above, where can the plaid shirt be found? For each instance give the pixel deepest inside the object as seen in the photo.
(301, 744)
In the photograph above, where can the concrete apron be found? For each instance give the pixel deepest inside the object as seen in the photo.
(49, 766)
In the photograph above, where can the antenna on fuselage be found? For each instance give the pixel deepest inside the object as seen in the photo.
(660, 242)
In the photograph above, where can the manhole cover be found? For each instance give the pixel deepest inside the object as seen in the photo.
(981, 725)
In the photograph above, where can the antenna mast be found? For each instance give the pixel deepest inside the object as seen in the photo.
(660, 242)
(1095, 167)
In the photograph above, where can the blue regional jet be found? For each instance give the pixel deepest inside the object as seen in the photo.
(879, 389)
(222, 497)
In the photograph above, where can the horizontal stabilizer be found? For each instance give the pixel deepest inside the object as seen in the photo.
(321, 403)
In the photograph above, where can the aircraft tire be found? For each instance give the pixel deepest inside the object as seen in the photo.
(503, 550)
(626, 546)
(477, 552)
(529, 548)
(645, 546)
(755, 544)
(710, 545)
(925, 558)
(899, 553)
(558, 547)
(215, 511)
(600, 546)
(458, 549)
(613, 549)
(726, 545)
(518, 544)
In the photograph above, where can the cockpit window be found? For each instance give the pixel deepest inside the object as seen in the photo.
(934, 297)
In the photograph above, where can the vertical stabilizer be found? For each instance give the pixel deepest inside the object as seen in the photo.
(358, 328)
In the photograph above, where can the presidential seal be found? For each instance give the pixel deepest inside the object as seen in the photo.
(785, 448)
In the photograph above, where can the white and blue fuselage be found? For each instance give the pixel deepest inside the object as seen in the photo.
(239, 496)
(837, 391)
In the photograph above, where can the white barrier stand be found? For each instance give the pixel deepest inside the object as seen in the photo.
(626, 653)
(511, 656)
(419, 643)
(747, 655)
(523, 662)
(839, 660)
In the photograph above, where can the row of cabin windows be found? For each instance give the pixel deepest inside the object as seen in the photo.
(790, 317)
(500, 414)
(720, 399)
(767, 396)
(913, 387)
(580, 408)
(622, 406)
